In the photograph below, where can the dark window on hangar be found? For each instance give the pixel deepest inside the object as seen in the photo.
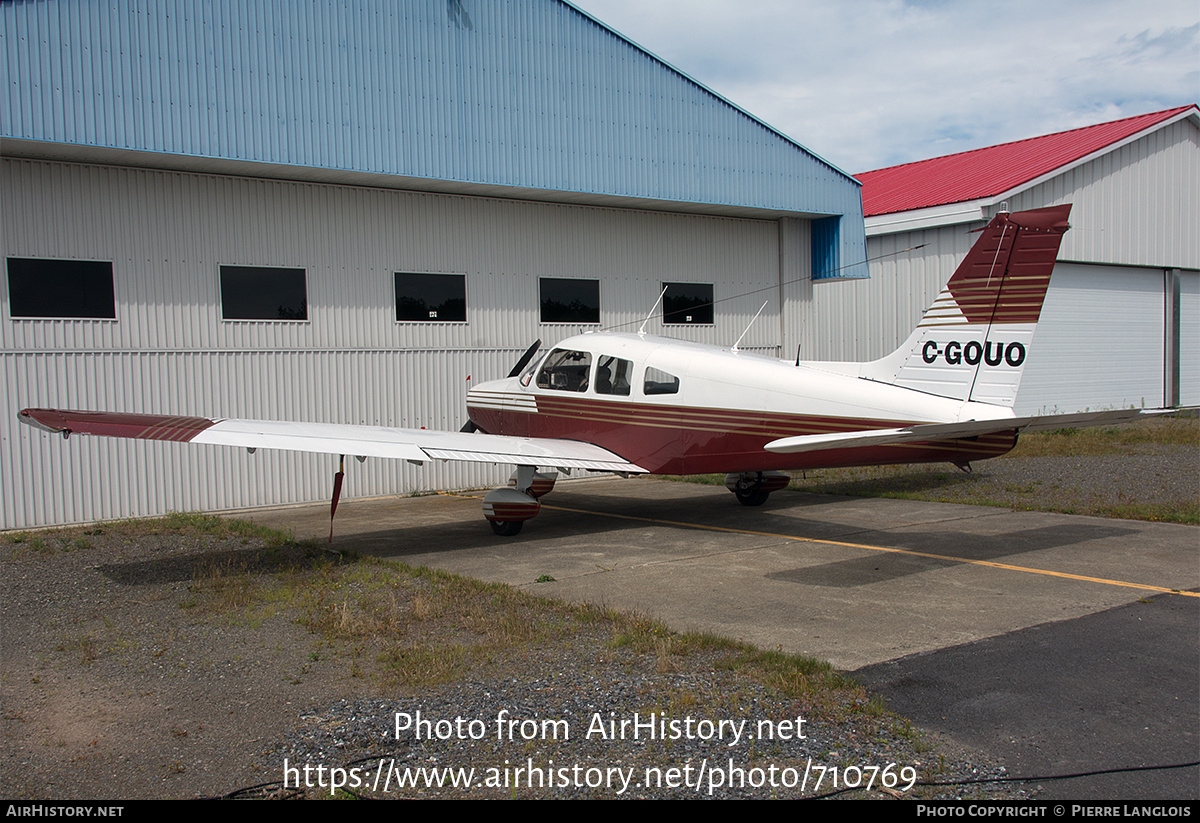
(263, 293)
(570, 301)
(63, 289)
(688, 304)
(431, 298)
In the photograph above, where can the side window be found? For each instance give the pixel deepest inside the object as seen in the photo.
(64, 289)
(431, 298)
(263, 293)
(659, 382)
(569, 301)
(565, 370)
(688, 304)
(613, 375)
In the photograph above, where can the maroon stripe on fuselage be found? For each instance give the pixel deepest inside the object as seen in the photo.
(679, 440)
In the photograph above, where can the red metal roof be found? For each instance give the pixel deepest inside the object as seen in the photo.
(971, 175)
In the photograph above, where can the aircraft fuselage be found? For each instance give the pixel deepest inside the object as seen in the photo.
(685, 408)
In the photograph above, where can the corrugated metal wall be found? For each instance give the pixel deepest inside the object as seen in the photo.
(1136, 206)
(866, 319)
(169, 351)
(531, 94)
(1100, 343)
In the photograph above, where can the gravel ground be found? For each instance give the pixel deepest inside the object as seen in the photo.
(175, 666)
(1149, 477)
(152, 667)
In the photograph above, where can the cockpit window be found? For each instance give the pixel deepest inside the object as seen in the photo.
(659, 382)
(613, 375)
(565, 370)
(530, 368)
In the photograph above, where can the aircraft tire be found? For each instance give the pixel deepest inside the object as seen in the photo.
(752, 497)
(507, 528)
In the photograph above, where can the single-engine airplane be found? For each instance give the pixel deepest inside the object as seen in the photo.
(639, 404)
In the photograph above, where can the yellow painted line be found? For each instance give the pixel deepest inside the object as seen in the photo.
(910, 552)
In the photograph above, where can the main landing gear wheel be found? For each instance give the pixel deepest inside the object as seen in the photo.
(507, 528)
(752, 496)
(753, 488)
(507, 509)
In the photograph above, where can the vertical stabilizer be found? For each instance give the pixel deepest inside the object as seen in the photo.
(973, 341)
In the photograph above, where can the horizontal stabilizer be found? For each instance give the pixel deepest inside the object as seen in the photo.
(922, 432)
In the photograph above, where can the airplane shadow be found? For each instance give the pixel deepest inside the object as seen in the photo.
(881, 566)
(591, 522)
(214, 564)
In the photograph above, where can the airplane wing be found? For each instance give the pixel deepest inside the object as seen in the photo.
(952, 431)
(417, 445)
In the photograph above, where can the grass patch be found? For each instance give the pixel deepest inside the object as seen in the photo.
(1155, 431)
(181, 524)
(819, 689)
(192, 524)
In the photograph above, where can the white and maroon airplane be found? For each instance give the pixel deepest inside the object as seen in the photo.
(638, 404)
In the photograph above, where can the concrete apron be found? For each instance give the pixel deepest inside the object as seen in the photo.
(854, 581)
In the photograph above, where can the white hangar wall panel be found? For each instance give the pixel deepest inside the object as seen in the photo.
(1099, 343)
(796, 319)
(1134, 206)
(169, 351)
(858, 320)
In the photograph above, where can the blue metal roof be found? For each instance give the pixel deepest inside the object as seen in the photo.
(532, 94)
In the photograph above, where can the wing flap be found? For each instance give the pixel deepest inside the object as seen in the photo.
(335, 438)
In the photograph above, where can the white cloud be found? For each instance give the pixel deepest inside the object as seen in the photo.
(876, 82)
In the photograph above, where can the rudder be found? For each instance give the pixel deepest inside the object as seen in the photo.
(971, 344)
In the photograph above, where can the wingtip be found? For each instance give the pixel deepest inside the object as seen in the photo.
(33, 417)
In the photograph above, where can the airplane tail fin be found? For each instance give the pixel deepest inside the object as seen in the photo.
(972, 342)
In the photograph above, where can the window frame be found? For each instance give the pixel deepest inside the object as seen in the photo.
(706, 306)
(620, 377)
(108, 303)
(574, 366)
(560, 282)
(462, 279)
(653, 386)
(233, 268)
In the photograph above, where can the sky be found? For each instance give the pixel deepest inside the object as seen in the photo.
(872, 83)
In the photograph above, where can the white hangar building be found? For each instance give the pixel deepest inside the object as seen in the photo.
(1121, 322)
(343, 211)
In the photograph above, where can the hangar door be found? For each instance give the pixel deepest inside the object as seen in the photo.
(1100, 343)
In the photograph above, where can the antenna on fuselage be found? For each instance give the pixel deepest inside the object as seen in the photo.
(642, 328)
(734, 348)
